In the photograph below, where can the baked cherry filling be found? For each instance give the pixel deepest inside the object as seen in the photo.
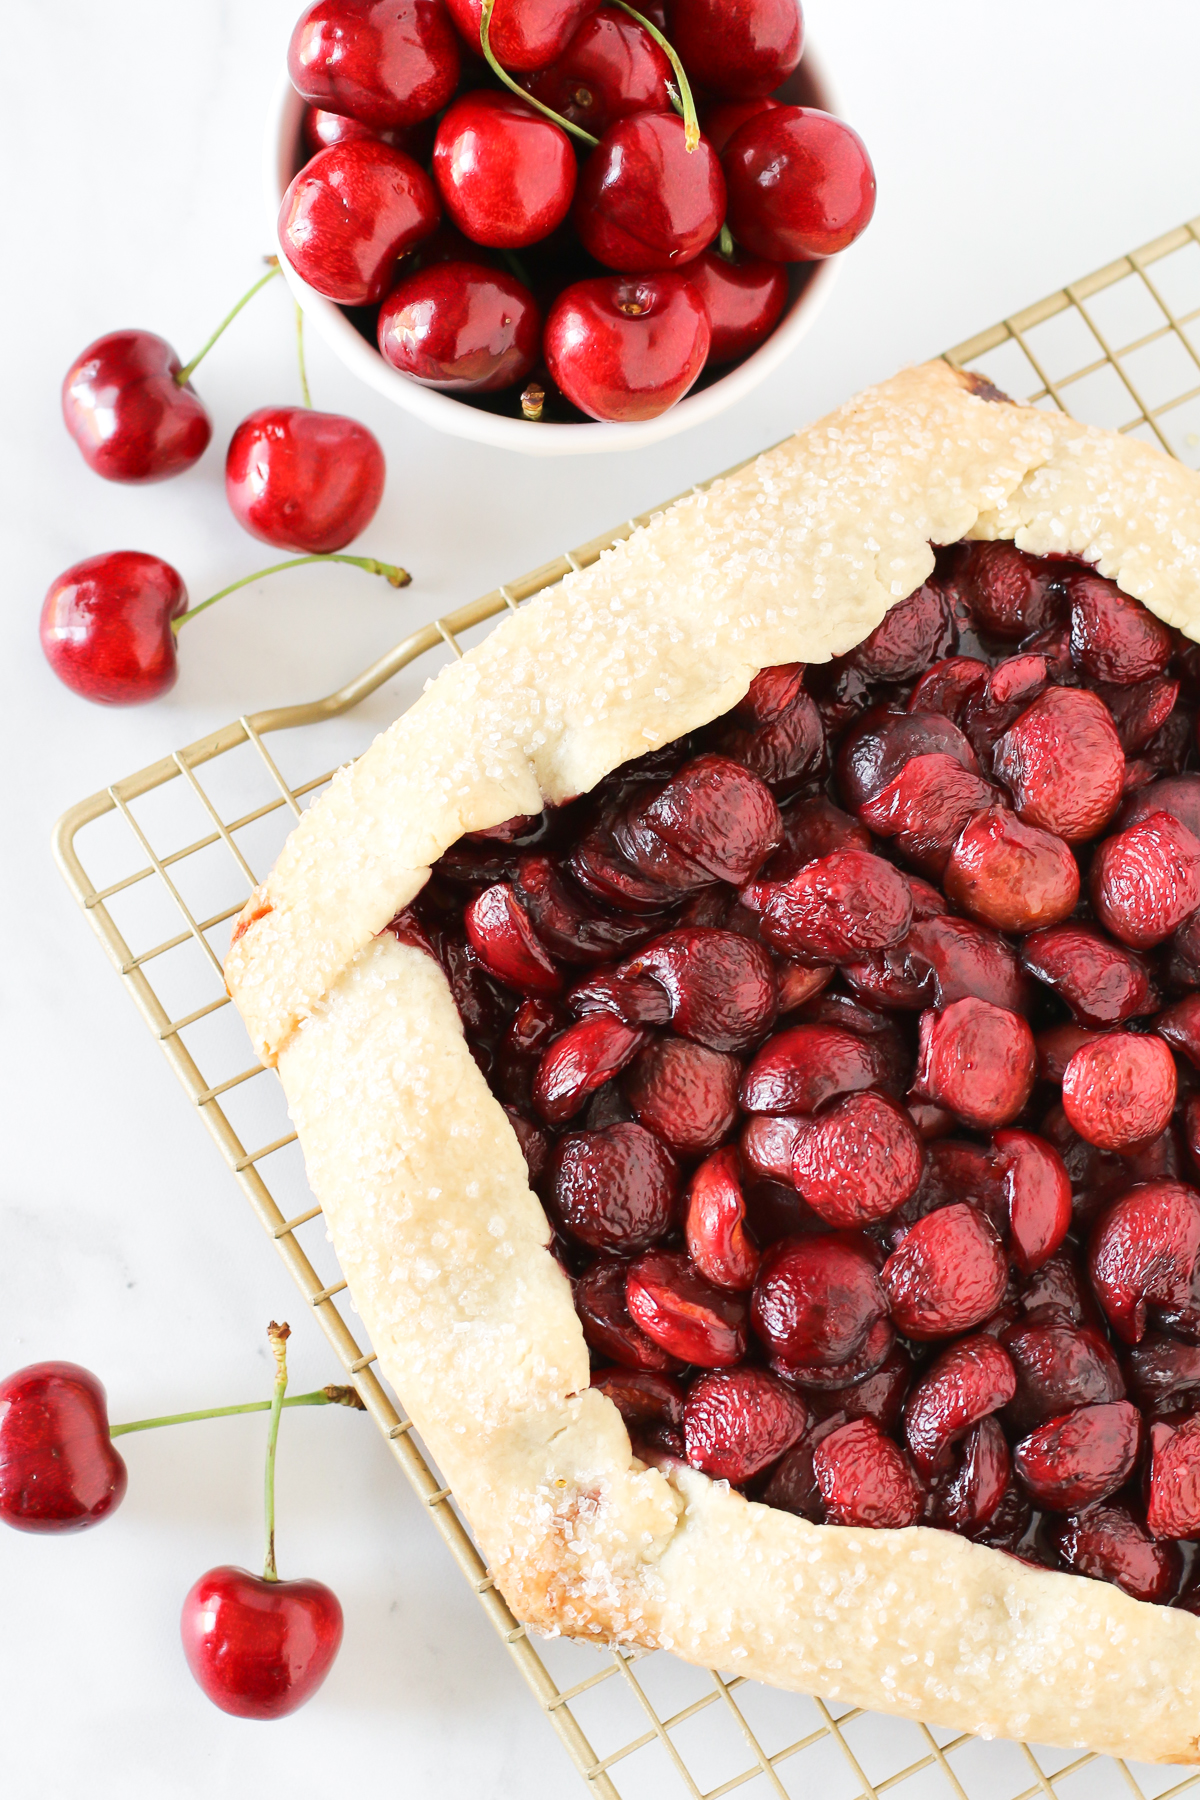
(852, 1043)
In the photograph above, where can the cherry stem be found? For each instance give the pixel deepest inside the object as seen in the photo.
(185, 374)
(691, 134)
(485, 29)
(279, 1335)
(394, 575)
(300, 355)
(326, 1396)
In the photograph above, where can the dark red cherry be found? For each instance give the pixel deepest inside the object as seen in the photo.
(59, 1470)
(304, 480)
(612, 67)
(715, 1223)
(737, 1422)
(1145, 881)
(1101, 982)
(1144, 1253)
(859, 1161)
(582, 1059)
(684, 1092)
(737, 48)
(1119, 1090)
(350, 214)
(627, 347)
(524, 34)
(258, 1648)
(721, 986)
(607, 1325)
(500, 934)
(865, 1479)
(383, 62)
(1063, 764)
(461, 327)
(1009, 593)
(684, 1314)
(948, 1275)
(1011, 876)
(1109, 1544)
(505, 172)
(721, 119)
(1059, 1365)
(1173, 1489)
(646, 202)
(817, 1300)
(129, 415)
(800, 184)
(614, 1189)
(976, 1060)
(743, 297)
(106, 627)
(1081, 1457)
(1113, 637)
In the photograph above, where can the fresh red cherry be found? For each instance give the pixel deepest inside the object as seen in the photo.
(524, 34)
(743, 298)
(623, 347)
(259, 1648)
(58, 1468)
(106, 626)
(322, 130)
(383, 62)
(737, 48)
(461, 327)
(645, 201)
(350, 214)
(800, 184)
(131, 418)
(723, 118)
(506, 174)
(612, 67)
(303, 480)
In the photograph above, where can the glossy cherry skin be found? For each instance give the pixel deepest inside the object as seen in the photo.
(744, 300)
(59, 1470)
(626, 347)
(645, 201)
(350, 214)
(740, 49)
(130, 417)
(505, 173)
(612, 67)
(259, 1648)
(800, 184)
(524, 34)
(303, 480)
(383, 62)
(461, 327)
(722, 119)
(106, 627)
(322, 130)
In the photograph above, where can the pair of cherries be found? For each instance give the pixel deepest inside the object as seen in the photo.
(296, 478)
(259, 1647)
(492, 252)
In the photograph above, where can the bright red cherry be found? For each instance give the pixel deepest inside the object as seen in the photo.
(460, 326)
(610, 68)
(322, 130)
(524, 34)
(303, 480)
(800, 184)
(106, 627)
(382, 62)
(743, 298)
(624, 347)
(259, 1648)
(130, 417)
(737, 48)
(506, 173)
(721, 119)
(645, 201)
(58, 1468)
(350, 214)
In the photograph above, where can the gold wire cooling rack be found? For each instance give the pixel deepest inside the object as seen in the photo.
(170, 860)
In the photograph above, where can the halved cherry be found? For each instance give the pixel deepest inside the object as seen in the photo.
(797, 1070)
(1060, 1365)
(1080, 1458)
(715, 1224)
(969, 1499)
(1145, 881)
(721, 985)
(925, 807)
(865, 1479)
(1107, 1543)
(835, 909)
(608, 1325)
(1037, 1194)
(1010, 593)
(614, 1189)
(1113, 637)
(1012, 876)
(737, 1422)
(643, 1397)
(1063, 764)
(1119, 1090)
(501, 934)
(579, 1061)
(1102, 983)
(967, 1382)
(1173, 1490)
(817, 1299)
(685, 1093)
(1144, 1253)
(673, 1304)
(948, 1274)
(859, 1161)
(976, 1060)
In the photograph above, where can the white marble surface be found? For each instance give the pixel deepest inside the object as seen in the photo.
(1016, 146)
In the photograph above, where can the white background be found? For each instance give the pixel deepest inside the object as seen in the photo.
(1018, 143)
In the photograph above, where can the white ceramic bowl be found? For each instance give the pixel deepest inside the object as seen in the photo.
(810, 288)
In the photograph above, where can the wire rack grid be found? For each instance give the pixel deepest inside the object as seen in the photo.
(170, 859)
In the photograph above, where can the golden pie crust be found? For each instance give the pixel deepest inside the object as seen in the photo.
(794, 558)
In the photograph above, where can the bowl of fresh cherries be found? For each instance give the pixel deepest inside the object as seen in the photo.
(541, 224)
